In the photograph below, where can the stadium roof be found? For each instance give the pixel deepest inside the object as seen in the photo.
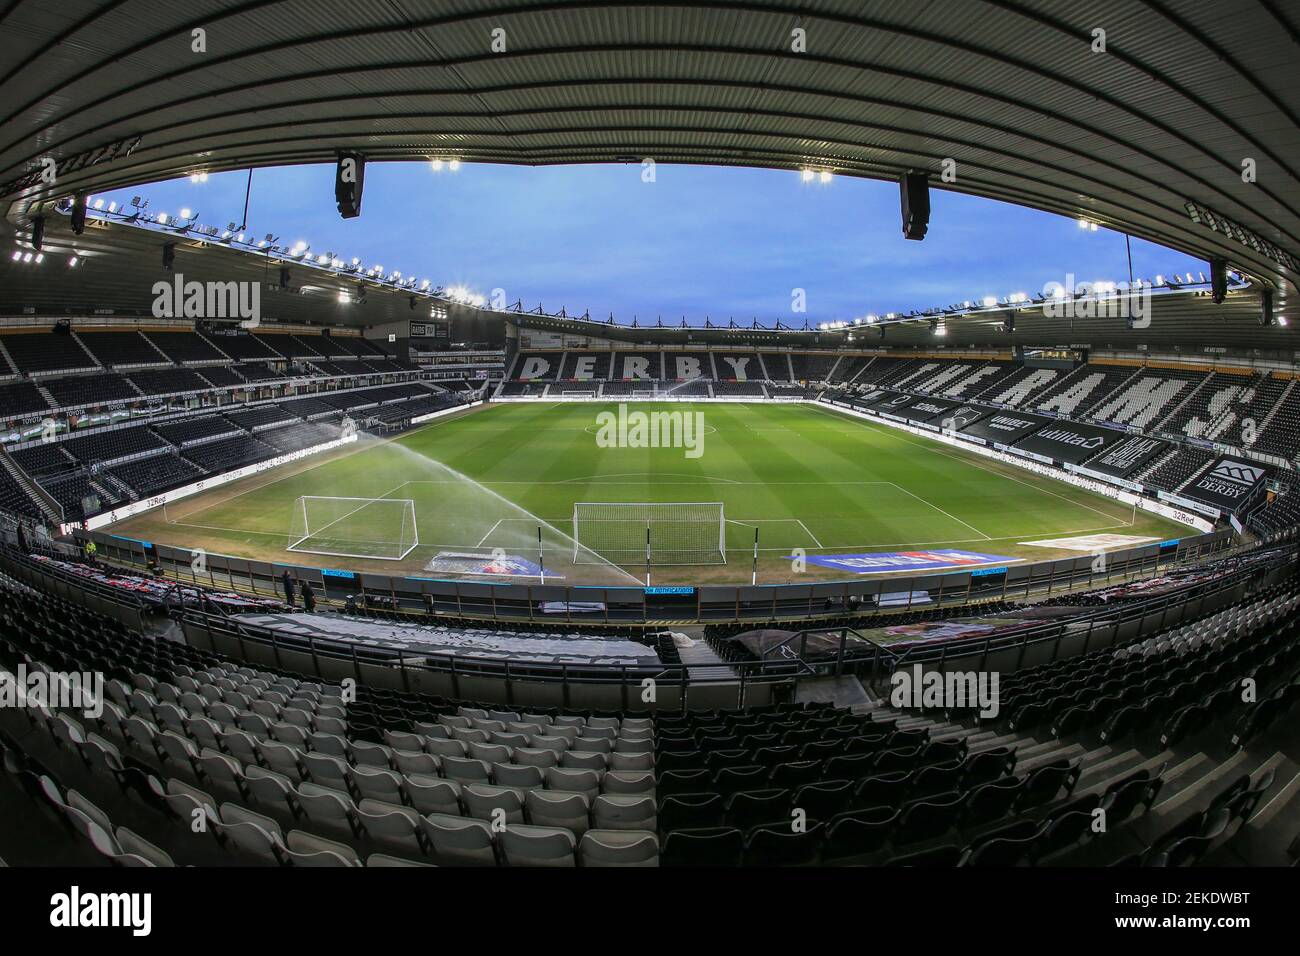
(1148, 137)
(118, 263)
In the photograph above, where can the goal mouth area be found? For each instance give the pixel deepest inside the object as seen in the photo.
(656, 534)
(378, 529)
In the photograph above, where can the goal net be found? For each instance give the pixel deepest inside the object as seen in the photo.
(634, 533)
(382, 528)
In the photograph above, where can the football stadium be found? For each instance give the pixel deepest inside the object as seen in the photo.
(306, 561)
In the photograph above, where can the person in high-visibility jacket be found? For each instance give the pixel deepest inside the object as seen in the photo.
(90, 549)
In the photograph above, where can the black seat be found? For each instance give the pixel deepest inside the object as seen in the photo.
(716, 846)
(894, 759)
(796, 773)
(1123, 798)
(941, 856)
(679, 760)
(731, 780)
(1063, 832)
(849, 766)
(883, 790)
(937, 778)
(684, 781)
(1001, 851)
(781, 846)
(990, 801)
(751, 808)
(928, 818)
(1189, 850)
(771, 756)
(1046, 783)
(691, 811)
(717, 759)
(989, 765)
(858, 832)
(821, 801)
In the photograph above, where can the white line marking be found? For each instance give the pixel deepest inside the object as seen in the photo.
(940, 510)
(489, 533)
(810, 534)
(896, 433)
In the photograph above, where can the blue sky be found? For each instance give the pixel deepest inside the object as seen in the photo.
(699, 240)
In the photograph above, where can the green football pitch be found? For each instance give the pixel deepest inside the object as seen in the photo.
(802, 476)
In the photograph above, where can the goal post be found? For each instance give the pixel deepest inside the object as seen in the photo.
(379, 528)
(657, 533)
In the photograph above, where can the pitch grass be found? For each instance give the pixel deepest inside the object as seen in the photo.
(804, 475)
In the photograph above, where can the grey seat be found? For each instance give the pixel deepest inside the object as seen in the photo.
(239, 744)
(516, 776)
(308, 849)
(376, 784)
(490, 753)
(411, 761)
(551, 808)
(525, 845)
(576, 760)
(252, 833)
(619, 812)
(577, 781)
(532, 757)
(326, 808)
(494, 804)
(465, 769)
(221, 772)
(326, 770)
(619, 848)
(383, 859)
(459, 841)
(365, 754)
(137, 846)
(445, 748)
(270, 789)
(628, 782)
(397, 827)
(280, 757)
(432, 794)
(632, 762)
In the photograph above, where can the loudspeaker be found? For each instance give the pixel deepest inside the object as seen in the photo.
(38, 232)
(1218, 279)
(914, 193)
(284, 277)
(78, 215)
(1009, 323)
(349, 180)
(169, 255)
(1266, 307)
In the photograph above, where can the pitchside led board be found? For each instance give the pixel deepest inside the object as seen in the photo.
(1229, 485)
(1069, 442)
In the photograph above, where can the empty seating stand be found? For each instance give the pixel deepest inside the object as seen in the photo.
(96, 389)
(121, 349)
(46, 353)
